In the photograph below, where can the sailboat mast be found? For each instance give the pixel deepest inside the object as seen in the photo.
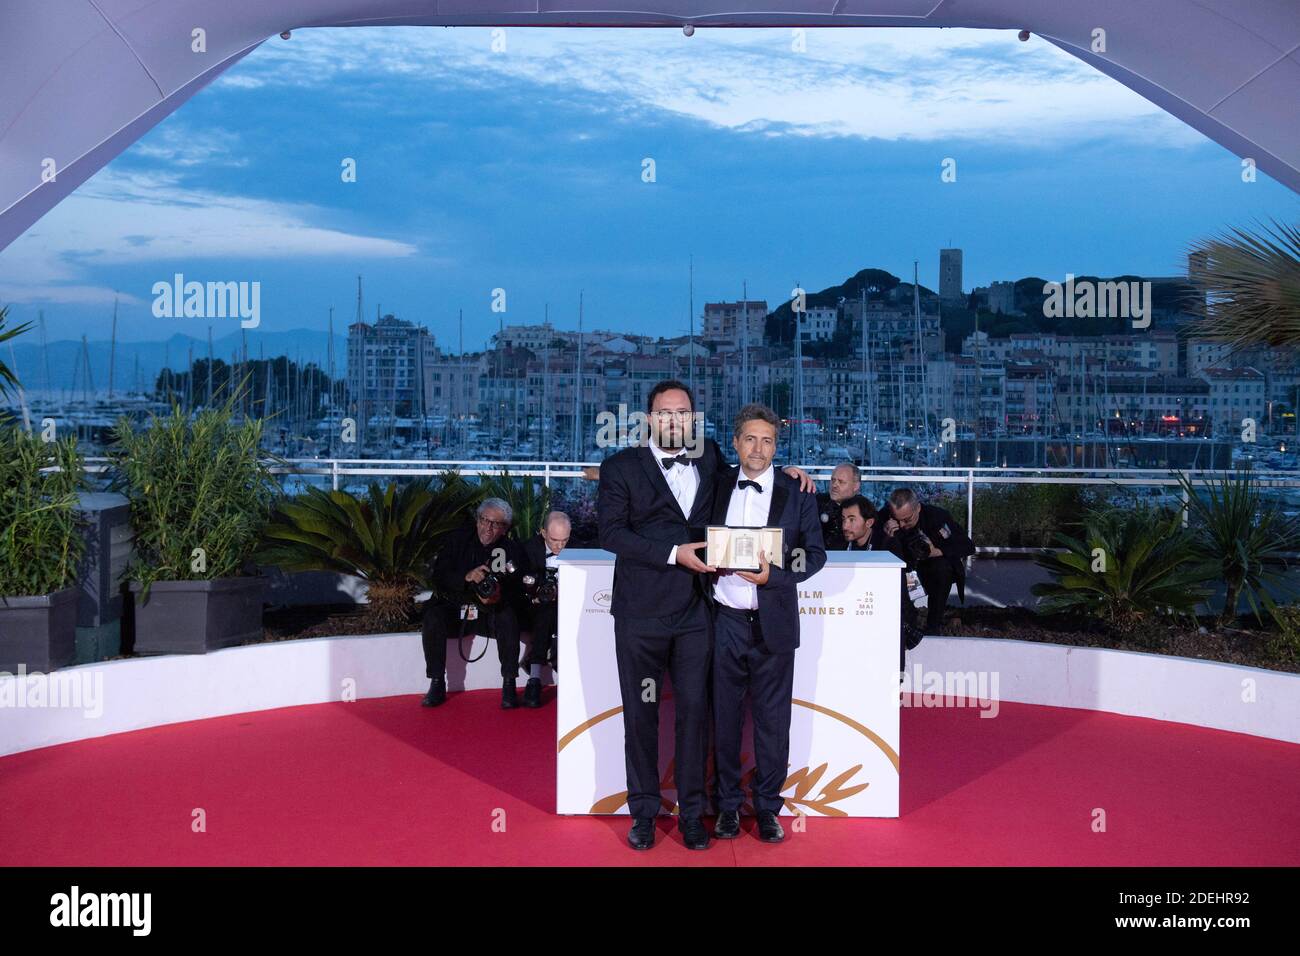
(797, 453)
(691, 309)
(744, 343)
(88, 394)
(924, 435)
(577, 392)
(22, 395)
(208, 403)
(112, 350)
(45, 357)
(330, 353)
(543, 444)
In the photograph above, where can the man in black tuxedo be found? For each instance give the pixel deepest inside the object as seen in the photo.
(932, 544)
(756, 623)
(464, 601)
(542, 552)
(653, 504)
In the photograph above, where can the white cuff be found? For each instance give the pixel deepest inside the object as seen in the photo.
(672, 555)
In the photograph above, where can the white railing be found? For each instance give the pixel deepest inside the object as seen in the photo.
(338, 470)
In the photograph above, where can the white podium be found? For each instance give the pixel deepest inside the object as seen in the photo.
(844, 723)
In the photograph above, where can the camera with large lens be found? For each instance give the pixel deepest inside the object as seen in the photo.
(488, 591)
(913, 545)
(544, 589)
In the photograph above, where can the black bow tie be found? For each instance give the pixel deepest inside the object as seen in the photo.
(681, 459)
(746, 483)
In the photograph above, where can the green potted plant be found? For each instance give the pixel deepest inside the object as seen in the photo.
(40, 547)
(1128, 567)
(528, 497)
(201, 493)
(1246, 538)
(388, 536)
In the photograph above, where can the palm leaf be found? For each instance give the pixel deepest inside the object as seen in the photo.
(1251, 284)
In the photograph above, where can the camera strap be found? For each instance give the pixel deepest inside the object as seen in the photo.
(460, 643)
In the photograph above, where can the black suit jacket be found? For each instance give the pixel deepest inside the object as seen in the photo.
(797, 515)
(833, 525)
(944, 533)
(461, 553)
(638, 519)
(535, 551)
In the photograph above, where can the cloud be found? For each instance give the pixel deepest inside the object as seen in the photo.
(178, 146)
(892, 84)
(119, 218)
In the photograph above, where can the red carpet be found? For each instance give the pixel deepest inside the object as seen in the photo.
(388, 782)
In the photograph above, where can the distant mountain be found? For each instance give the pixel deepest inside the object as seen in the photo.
(63, 358)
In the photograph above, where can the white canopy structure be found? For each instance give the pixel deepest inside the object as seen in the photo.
(80, 80)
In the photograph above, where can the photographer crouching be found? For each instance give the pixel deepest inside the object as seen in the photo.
(541, 592)
(933, 546)
(477, 588)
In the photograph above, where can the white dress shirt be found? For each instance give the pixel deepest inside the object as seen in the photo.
(683, 481)
(748, 508)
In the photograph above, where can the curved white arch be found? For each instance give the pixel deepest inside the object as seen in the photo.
(80, 80)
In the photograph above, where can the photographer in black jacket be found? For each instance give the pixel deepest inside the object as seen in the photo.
(845, 484)
(476, 579)
(932, 544)
(541, 591)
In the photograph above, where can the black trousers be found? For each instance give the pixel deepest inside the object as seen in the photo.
(544, 643)
(645, 647)
(743, 666)
(936, 579)
(908, 614)
(442, 623)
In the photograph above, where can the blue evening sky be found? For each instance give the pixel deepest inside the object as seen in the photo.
(521, 169)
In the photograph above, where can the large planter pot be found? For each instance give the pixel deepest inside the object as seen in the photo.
(194, 617)
(38, 632)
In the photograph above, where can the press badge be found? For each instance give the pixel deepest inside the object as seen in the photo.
(469, 612)
(914, 589)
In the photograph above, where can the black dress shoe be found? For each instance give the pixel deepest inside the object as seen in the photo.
(694, 833)
(642, 834)
(769, 828)
(533, 692)
(728, 825)
(508, 699)
(436, 695)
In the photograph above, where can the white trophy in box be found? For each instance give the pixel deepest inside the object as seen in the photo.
(736, 549)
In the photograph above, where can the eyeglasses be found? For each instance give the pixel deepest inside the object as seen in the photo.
(491, 523)
(681, 415)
